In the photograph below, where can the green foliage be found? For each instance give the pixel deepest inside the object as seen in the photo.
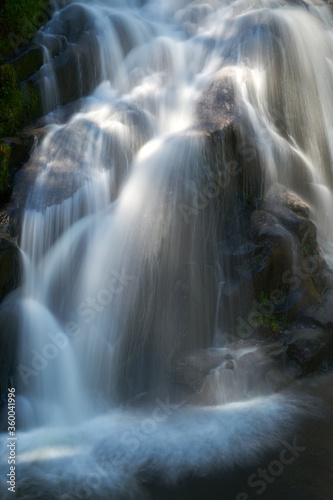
(19, 21)
(263, 299)
(4, 164)
(309, 247)
(267, 320)
(270, 323)
(10, 101)
(19, 103)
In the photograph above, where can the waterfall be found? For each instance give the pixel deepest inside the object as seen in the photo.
(121, 232)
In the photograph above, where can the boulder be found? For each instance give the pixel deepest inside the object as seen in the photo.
(18, 148)
(232, 157)
(278, 198)
(273, 269)
(321, 313)
(11, 213)
(217, 108)
(28, 61)
(9, 324)
(244, 368)
(309, 347)
(274, 256)
(309, 270)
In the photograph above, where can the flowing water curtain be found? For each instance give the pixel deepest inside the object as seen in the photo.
(97, 209)
(287, 96)
(122, 264)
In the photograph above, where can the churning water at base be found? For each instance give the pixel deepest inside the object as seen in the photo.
(121, 277)
(114, 454)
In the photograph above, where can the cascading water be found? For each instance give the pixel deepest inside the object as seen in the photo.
(121, 277)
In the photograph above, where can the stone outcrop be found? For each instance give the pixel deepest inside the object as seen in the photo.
(321, 313)
(250, 367)
(277, 269)
(308, 348)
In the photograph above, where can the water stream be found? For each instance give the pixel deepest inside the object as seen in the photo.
(117, 282)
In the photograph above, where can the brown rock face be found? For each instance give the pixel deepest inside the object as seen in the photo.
(217, 108)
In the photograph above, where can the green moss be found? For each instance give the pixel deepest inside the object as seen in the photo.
(19, 21)
(10, 101)
(19, 102)
(27, 64)
(268, 322)
(5, 153)
(31, 103)
(309, 247)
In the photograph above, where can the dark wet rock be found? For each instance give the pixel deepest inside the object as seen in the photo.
(279, 379)
(191, 371)
(211, 378)
(279, 197)
(189, 375)
(71, 65)
(9, 319)
(234, 163)
(287, 268)
(275, 255)
(309, 347)
(252, 367)
(321, 313)
(20, 147)
(270, 252)
(73, 42)
(11, 213)
(10, 269)
(28, 62)
(70, 23)
(66, 177)
(236, 298)
(217, 109)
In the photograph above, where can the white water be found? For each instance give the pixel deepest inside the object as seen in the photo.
(116, 278)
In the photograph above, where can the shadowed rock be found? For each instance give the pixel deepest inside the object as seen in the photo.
(308, 348)
(10, 272)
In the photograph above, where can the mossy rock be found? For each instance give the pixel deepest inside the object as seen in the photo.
(20, 20)
(28, 63)
(5, 153)
(14, 151)
(19, 101)
(10, 101)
